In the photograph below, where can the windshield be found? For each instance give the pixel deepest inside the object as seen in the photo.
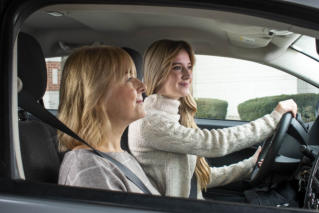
(309, 3)
(307, 46)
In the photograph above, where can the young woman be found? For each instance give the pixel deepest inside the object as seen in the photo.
(99, 98)
(167, 142)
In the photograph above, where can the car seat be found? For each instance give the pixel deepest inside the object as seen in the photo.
(138, 61)
(38, 141)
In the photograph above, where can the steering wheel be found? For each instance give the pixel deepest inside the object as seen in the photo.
(270, 149)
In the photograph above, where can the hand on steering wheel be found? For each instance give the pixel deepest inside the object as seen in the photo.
(287, 106)
(270, 149)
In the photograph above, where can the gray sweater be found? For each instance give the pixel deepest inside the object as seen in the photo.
(167, 150)
(85, 169)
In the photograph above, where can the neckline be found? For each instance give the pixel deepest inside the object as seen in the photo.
(162, 103)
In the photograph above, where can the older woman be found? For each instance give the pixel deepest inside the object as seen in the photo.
(99, 98)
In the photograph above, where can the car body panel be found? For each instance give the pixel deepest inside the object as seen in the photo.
(19, 194)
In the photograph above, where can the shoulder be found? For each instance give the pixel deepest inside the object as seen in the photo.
(85, 168)
(80, 158)
(79, 161)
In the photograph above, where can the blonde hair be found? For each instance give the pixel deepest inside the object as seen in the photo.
(158, 60)
(87, 75)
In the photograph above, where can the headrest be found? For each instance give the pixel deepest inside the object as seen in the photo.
(138, 60)
(31, 66)
(20, 85)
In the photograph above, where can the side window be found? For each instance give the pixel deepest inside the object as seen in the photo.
(54, 71)
(233, 89)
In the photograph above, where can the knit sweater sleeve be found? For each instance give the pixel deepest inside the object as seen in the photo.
(161, 133)
(235, 172)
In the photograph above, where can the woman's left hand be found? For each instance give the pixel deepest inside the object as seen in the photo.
(287, 106)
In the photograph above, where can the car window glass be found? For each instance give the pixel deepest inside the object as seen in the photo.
(306, 45)
(233, 89)
(54, 70)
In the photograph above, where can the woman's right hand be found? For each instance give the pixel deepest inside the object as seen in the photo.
(287, 106)
(256, 155)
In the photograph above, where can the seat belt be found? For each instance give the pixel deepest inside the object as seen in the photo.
(193, 191)
(28, 103)
(128, 173)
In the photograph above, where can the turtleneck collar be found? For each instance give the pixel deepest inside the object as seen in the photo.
(161, 103)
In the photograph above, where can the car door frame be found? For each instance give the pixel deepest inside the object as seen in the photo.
(17, 191)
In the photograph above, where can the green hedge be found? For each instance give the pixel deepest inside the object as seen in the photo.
(211, 108)
(256, 108)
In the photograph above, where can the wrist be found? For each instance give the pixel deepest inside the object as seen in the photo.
(276, 115)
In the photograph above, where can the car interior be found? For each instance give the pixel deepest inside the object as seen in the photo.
(290, 162)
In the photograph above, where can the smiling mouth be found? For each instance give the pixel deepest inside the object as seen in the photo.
(139, 101)
(184, 84)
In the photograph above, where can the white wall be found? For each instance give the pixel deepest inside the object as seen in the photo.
(229, 79)
(51, 99)
(237, 80)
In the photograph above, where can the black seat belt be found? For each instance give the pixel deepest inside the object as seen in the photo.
(128, 173)
(28, 103)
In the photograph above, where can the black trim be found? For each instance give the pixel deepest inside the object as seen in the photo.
(217, 124)
(53, 192)
(6, 46)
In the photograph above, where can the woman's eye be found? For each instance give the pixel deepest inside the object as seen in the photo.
(177, 68)
(190, 67)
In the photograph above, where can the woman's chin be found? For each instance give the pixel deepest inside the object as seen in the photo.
(140, 115)
(185, 93)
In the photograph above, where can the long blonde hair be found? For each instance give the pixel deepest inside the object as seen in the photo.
(158, 60)
(87, 75)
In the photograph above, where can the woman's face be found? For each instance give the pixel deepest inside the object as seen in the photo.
(179, 78)
(124, 101)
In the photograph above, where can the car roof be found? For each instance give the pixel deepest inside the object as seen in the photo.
(60, 28)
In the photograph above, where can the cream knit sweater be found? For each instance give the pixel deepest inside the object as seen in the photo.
(167, 150)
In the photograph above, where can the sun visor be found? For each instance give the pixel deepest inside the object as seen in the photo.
(248, 41)
(254, 37)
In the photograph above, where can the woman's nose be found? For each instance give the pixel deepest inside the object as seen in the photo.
(140, 87)
(187, 73)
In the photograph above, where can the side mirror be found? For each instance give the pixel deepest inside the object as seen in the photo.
(317, 45)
